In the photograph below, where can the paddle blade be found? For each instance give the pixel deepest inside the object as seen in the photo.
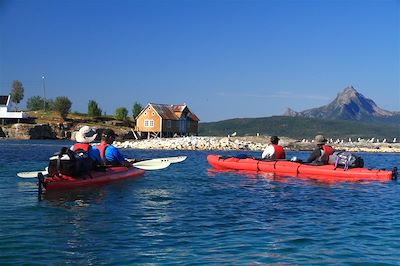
(176, 159)
(32, 174)
(146, 165)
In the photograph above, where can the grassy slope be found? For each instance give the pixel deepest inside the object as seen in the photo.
(40, 117)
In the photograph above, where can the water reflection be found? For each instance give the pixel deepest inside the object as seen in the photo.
(75, 198)
(156, 203)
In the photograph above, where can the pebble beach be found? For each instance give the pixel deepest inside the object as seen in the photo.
(247, 143)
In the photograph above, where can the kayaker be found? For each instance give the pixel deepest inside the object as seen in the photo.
(84, 137)
(110, 154)
(320, 155)
(273, 151)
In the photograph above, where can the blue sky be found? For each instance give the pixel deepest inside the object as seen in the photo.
(224, 59)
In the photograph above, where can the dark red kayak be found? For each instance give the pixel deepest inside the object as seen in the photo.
(108, 175)
(282, 167)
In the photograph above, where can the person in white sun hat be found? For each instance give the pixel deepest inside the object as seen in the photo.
(83, 137)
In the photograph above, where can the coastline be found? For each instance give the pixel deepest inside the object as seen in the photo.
(247, 144)
(67, 131)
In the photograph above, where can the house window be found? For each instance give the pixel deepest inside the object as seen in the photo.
(169, 123)
(153, 114)
(148, 123)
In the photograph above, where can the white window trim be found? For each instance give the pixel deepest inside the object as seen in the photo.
(148, 123)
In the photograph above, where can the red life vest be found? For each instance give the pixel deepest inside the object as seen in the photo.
(279, 151)
(81, 146)
(102, 149)
(328, 150)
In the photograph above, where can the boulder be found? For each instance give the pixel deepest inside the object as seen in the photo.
(2, 134)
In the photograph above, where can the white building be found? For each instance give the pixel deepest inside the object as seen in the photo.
(6, 113)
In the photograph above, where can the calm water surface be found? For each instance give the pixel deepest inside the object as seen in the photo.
(188, 214)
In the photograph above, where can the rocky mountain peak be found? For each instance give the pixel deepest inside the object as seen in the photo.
(348, 95)
(290, 112)
(349, 90)
(348, 104)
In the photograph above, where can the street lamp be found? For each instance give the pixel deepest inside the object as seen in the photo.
(44, 94)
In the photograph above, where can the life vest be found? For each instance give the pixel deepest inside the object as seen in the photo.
(328, 150)
(102, 149)
(81, 147)
(279, 151)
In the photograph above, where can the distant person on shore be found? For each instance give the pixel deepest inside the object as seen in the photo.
(321, 153)
(273, 151)
(110, 154)
(84, 137)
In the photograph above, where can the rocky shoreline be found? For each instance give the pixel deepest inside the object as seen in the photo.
(64, 130)
(246, 144)
(250, 143)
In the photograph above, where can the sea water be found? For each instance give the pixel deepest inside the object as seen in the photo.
(189, 214)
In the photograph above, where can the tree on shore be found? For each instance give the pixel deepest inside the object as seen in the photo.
(93, 109)
(137, 108)
(62, 105)
(121, 113)
(17, 92)
(35, 103)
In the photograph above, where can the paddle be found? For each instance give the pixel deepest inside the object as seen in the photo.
(32, 174)
(152, 164)
(158, 163)
(176, 159)
(148, 165)
(145, 165)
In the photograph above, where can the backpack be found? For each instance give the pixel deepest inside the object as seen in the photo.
(68, 162)
(346, 160)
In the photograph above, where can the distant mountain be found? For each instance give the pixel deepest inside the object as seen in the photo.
(299, 128)
(349, 105)
(350, 115)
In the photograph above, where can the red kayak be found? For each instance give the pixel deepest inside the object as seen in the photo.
(282, 167)
(110, 174)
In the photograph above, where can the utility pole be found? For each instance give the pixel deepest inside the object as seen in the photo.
(44, 95)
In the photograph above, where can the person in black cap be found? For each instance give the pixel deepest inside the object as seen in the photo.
(321, 153)
(110, 154)
(273, 151)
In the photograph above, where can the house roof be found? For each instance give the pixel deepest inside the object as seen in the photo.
(183, 107)
(178, 107)
(165, 111)
(3, 100)
(168, 111)
(193, 117)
